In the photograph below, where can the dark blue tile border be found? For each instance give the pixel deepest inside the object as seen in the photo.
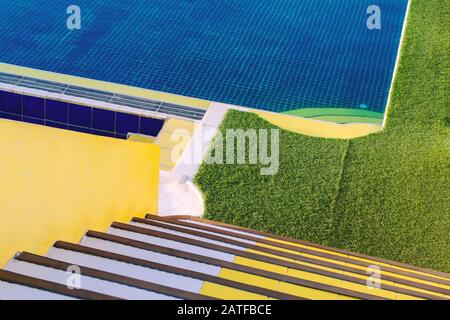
(10, 103)
(10, 116)
(150, 127)
(56, 111)
(34, 120)
(104, 120)
(80, 116)
(33, 107)
(127, 123)
(75, 117)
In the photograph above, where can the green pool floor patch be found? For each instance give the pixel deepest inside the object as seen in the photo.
(339, 115)
(348, 119)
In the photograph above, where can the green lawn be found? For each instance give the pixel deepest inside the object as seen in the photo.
(386, 194)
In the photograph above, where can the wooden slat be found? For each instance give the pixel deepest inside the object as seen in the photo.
(300, 250)
(49, 286)
(174, 270)
(107, 276)
(307, 243)
(155, 233)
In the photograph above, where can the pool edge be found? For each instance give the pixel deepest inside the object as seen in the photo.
(104, 86)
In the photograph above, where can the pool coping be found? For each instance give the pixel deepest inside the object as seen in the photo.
(103, 86)
(71, 92)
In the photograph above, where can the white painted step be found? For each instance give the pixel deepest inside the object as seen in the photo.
(172, 244)
(11, 291)
(127, 269)
(87, 283)
(182, 234)
(150, 256)
(218, 233)
(223, 228)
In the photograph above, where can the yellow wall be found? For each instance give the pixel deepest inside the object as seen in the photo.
(57, 184)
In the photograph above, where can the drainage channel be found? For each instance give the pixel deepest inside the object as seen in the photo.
(163, 108)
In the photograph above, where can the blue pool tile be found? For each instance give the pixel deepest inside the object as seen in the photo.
(103, 133)
(103, 120)
(79, 129)
(33, 107)
(126, 123)
(121, 136)
(10, 102)
(54, 124)
(150, 127)
(34, 120)
(9, 116)
(62, 115)
(80, 116)
(56, 111)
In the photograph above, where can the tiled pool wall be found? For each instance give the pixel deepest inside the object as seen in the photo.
(80, 118)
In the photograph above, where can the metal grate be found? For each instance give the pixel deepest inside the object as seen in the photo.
(104, 96)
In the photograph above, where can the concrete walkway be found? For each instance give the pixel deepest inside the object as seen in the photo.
(177, 196)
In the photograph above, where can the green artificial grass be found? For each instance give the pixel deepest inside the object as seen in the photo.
(386, 194)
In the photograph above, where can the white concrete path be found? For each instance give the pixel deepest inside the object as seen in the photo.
(178, 196)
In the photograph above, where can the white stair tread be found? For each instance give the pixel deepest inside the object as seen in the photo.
(127, 269)
(218, 233)
(150, 256)
(186, 235)
(172, 244)
(86, 282)
(224, 228)
(12, 291)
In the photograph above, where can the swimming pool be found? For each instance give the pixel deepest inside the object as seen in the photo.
(276, 55)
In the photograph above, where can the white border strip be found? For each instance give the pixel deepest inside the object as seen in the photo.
(400, 46)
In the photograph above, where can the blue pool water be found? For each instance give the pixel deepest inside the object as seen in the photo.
(276, 55)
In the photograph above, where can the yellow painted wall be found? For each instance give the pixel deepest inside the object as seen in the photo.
(57, 184)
